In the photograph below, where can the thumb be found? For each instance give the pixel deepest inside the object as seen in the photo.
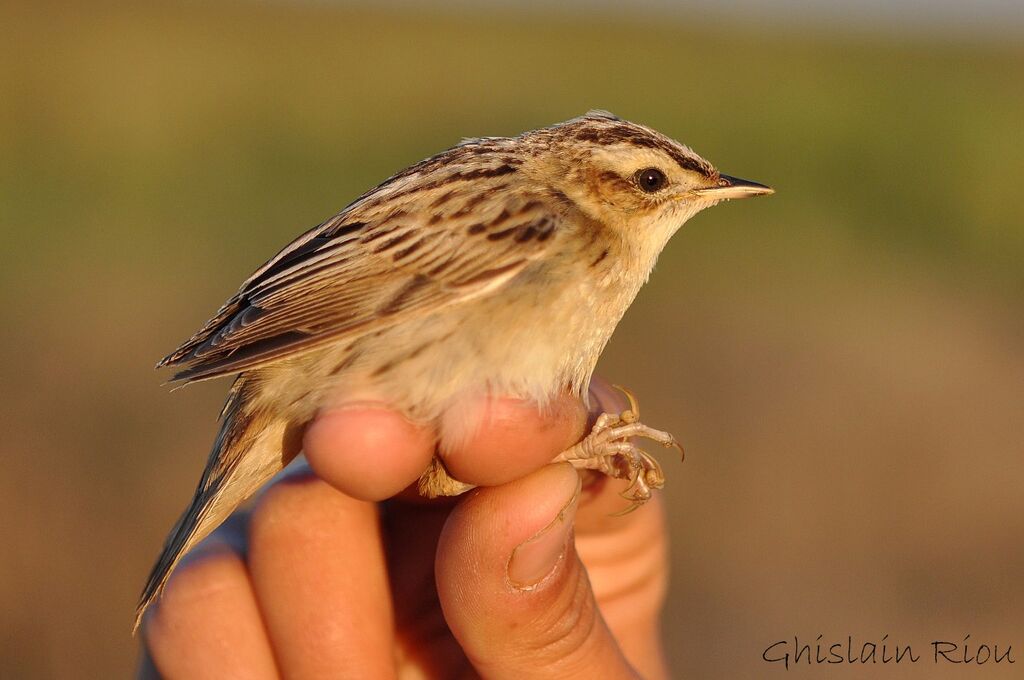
(513, 591)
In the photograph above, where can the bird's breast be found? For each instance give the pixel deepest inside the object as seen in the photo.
(537, 336)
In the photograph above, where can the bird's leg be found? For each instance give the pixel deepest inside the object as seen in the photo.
(609, 449)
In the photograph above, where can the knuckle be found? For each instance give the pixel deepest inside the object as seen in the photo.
(281, 504)
(205, 574)
(566, 627)
(299, 509)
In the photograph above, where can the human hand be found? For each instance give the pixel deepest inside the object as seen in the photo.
(529, 576)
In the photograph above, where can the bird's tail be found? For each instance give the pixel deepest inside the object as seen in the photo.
(251, 447)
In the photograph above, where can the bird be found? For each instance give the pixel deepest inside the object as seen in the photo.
(499, 266)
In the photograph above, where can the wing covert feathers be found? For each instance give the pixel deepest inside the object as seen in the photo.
(403, 249)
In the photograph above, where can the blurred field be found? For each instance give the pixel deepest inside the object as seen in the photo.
(844, 361)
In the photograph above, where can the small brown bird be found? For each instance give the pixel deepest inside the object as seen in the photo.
(499, 266)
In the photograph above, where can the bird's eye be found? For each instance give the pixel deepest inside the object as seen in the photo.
(651, 180)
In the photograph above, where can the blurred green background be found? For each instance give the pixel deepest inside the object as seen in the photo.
(844, 361)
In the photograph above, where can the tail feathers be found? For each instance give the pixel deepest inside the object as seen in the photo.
(251, 447)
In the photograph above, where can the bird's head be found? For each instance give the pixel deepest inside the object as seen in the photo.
(630, 177)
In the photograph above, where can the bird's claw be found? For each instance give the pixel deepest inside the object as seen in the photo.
(609, 449)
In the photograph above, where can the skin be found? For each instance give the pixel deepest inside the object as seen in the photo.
(324, 578)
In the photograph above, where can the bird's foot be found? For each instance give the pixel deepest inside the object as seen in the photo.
(609, 449)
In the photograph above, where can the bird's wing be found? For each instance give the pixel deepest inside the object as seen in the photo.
(365, 269)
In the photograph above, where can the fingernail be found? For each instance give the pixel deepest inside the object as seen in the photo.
(604, 399)
(535, 558)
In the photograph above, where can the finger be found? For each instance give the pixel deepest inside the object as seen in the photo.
(317, 566)
(626, 556)
(605, 397)
(492, 440)
(367, 451)
(425, 645)
(207, 624)
(146, 669)
(513, 591)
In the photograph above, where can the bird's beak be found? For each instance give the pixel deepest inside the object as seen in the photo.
(734, 187)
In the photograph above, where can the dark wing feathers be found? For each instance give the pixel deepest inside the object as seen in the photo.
(361, 271)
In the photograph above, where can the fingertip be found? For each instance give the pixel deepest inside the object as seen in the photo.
(511, 513)
(493, 440)
(512, 589)
(207, 624)
(476, 565)
(605, 508)
(210, 571)
(367, 452)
